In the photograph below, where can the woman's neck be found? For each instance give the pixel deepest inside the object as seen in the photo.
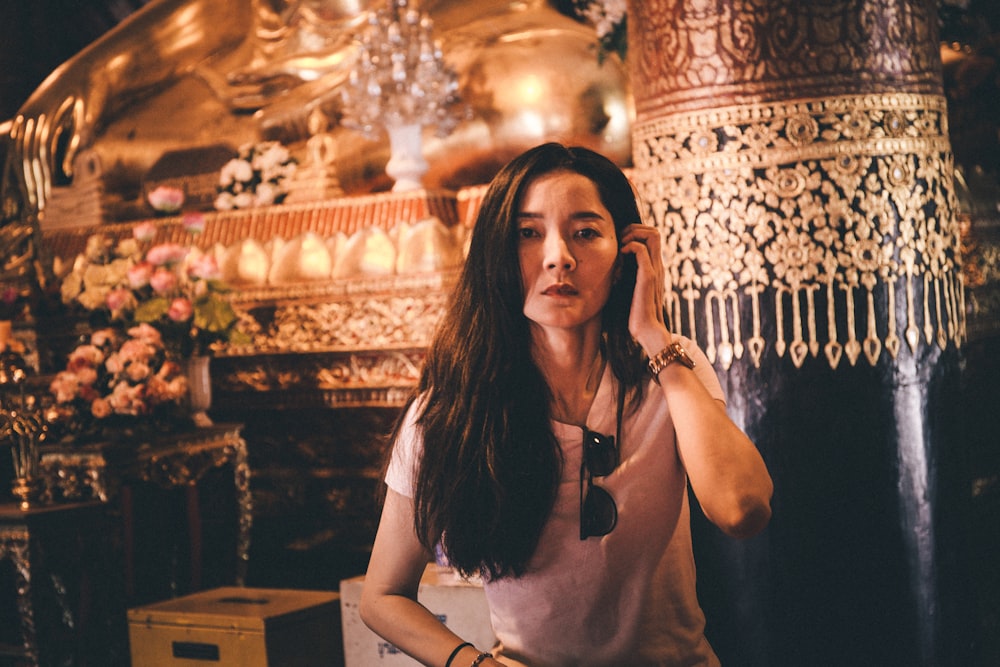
(572, 367)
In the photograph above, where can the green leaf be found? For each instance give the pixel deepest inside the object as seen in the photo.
(214, 314)
(152, 310)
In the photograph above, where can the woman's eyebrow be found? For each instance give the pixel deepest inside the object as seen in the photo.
(585, 214)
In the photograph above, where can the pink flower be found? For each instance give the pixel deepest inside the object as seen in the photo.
(86, 377)
(170, 368)
(180, 310)
(119, 299)
(144, 231)
(138, 371)
(163, 280)
(205, 267)
(194, 223)
(88, 392)
(138, 275)
(167, 385)
(115, 364)
(126, 399)
(166, 253)
(156, 390)
(100, 408)
(166, 199)
(146, 333)
(133, 351)
(84, 356)
(102, 337)
(64, 386)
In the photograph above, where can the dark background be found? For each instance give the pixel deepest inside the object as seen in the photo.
(38, 36)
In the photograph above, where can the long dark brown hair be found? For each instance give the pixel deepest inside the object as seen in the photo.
(490, 469)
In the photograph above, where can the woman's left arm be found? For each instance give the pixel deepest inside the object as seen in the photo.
(725, 470)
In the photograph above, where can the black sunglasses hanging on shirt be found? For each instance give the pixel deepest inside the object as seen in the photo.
(598, 511)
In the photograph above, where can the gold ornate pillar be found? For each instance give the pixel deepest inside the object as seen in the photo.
(791, 150)
(795, 156)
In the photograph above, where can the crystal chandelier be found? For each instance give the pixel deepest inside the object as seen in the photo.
(400, 82)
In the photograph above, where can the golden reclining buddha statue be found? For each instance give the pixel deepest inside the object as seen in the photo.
(186, 74)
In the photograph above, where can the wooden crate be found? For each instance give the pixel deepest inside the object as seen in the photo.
(239, 627)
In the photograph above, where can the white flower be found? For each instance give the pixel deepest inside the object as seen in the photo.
(224, 202)
(242, 170)
(256, 177)
(226, 175)
(615, 10)
(266, 194)
(243, 200)
(272, 155)
(608, 19)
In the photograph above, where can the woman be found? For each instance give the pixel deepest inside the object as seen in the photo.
(540, 450)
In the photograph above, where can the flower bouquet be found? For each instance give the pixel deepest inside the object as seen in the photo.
(175, 288)
(258, 176)
(120, 383)
(102, 268)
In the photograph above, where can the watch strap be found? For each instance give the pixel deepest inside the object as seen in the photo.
(671, 353)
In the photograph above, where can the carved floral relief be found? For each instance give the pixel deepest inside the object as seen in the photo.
(796, 157)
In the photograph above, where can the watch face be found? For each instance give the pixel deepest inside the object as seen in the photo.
(682, 356)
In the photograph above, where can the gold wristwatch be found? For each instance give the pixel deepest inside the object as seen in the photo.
(666, 356)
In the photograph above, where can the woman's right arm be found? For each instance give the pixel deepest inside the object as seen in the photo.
(389, 597)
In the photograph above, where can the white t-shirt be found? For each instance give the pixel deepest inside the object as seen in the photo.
(627, 598)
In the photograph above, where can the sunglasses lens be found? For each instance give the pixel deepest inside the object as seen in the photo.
(599, 513)
(600, 452)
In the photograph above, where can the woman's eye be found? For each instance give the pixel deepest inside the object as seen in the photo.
(588, 233)
(527, 232)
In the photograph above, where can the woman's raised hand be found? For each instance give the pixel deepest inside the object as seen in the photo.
(645, 320)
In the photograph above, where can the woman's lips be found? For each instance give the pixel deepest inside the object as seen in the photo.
(561, 289)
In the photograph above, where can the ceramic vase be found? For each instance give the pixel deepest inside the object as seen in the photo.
(199, 379)
(406, 165)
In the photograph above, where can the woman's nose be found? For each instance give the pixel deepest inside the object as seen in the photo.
(558, 255)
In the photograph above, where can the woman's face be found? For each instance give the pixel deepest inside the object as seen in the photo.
(568, 250)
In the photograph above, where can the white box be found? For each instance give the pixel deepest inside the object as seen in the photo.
(460, 604)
